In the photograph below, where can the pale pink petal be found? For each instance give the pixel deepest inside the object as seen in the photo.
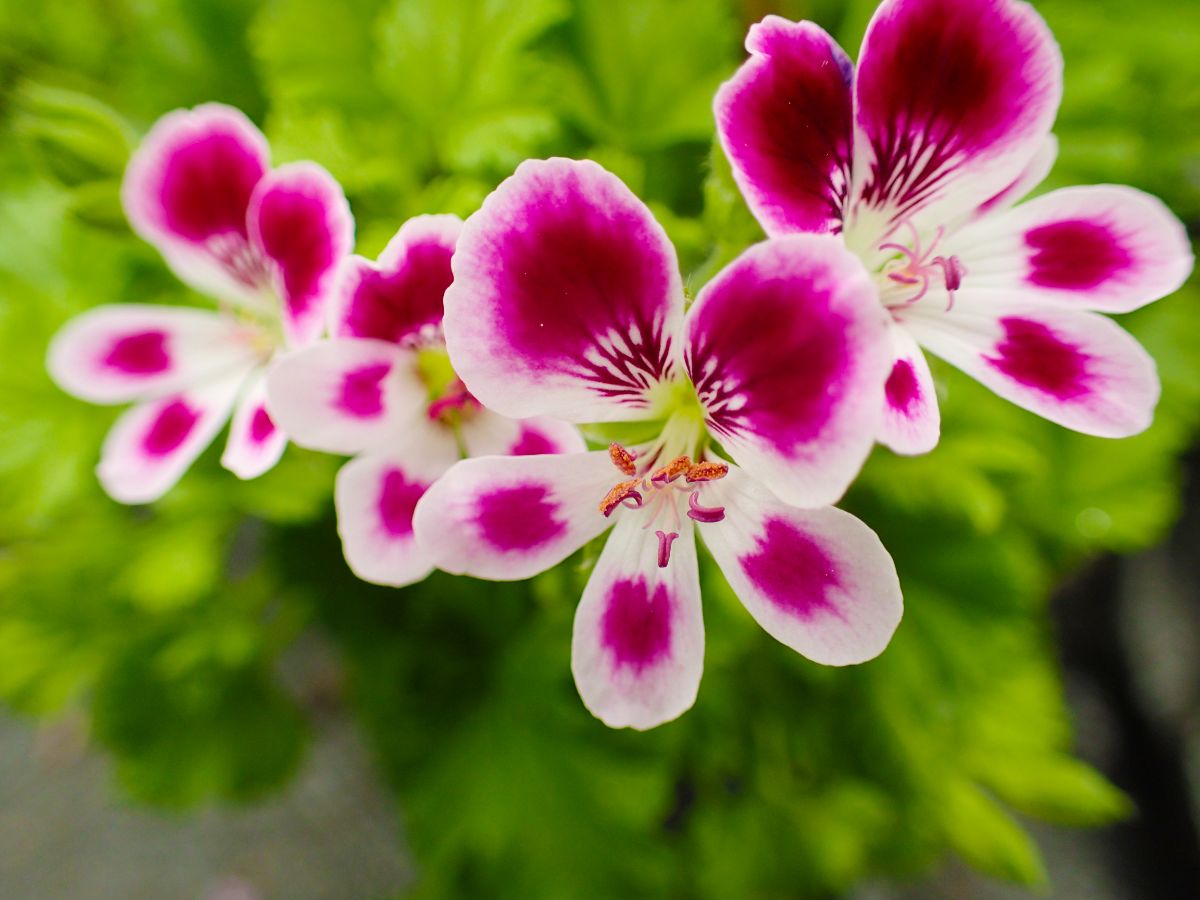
(400, 297)
(345, 395)
(566, 297)
(486, 433)
(912, 422)
(511, 517)
(1109, 248)
(150, 446)
(637, 651)
(255, 443)
(788, 349)
(187, 190)
(817, 580)
(122, 352)
(954, 99)
(376, 495)
(1076, 368)
(300, 223)
(784, 121)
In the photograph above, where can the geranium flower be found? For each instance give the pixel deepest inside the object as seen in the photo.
(383, 390)
(567, 301)
(265, 242)
(916, 158)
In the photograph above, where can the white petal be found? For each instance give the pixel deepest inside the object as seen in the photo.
(818, 580)
(511, 517)
(376, 495)
(122, 352)
(345, 395)
(489, 434)
(637, 651)
(255, 443)
(912, 422)
(150, 446)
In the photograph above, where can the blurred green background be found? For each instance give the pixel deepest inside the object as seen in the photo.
(163, 627)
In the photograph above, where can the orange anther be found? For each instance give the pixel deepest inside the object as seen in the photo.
(622, 459)
(707, 471)
(672, 470)
(625, 490)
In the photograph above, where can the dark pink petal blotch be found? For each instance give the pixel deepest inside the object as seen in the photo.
(636, 624)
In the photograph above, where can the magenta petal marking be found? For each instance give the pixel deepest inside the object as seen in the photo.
(705, 514)
(518, 518)
(206, 186)
(942, 81)
(784, 123)
(394, 305)
(581, 277)
(170, 428)
(637, 624)
(902, 388)
(665, 540)
(397, 499)
(292, 228)
(1032, 354)
(362, 390)
(1074, 255)
(531, 443)
(779, 381)
(144, 353)
(792, 571)
(261, 426)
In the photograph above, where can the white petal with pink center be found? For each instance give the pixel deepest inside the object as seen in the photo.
(151, 445)
(1076, 368)
(508, 518)
(637, 650)
(818, 580)
(118, 353)
(255, 443)
(345, 395)
(911, 419)
(376, 495)
(485, 433)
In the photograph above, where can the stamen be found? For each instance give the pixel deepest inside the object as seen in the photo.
(625, 490)
(704, 514)
(672, 470)
(665, 540)
(623, 459)
(707, 471)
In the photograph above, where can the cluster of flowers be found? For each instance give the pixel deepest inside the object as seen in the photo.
(887, 193)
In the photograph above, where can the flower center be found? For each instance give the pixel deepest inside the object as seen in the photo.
(658, 491)
(912, 270)
(449, 399)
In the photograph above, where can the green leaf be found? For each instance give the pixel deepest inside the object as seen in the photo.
(987, 838)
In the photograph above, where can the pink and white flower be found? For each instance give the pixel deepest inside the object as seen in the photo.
(265, 242)
(917, 158)
(383, 391)
(567, 301)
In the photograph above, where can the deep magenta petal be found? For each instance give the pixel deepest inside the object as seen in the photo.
(1074, 254)
(948, 88)
(784, 121)
(192, 177)
(401, 296)
(786, 348)
(170, 428)
(902, 389)
(140, 353)
(300, 222)
(362, 390)
(566, 296)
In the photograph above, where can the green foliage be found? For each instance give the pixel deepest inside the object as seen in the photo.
(787, 779)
